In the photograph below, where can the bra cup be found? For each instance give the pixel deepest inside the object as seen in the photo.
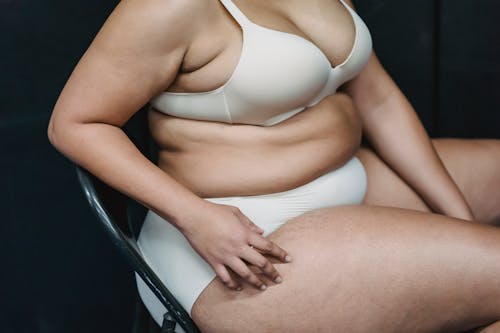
(278, 75)
(360, 54)
(279, 70)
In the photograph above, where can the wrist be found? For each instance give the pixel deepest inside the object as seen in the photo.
(188, 213)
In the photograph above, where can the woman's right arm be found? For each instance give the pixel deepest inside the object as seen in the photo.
(135, 55)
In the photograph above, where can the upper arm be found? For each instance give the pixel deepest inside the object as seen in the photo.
(372, 85)
(135, 55)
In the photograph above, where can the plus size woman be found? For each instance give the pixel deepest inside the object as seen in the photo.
(265, 212)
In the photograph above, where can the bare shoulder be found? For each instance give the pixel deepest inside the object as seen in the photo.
(135, 55)
(154, 24)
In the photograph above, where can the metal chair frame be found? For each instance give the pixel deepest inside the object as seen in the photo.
(119, 228)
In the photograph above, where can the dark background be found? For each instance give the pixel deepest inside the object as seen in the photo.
(59, 273)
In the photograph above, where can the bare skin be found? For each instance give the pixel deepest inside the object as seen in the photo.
(375, 269)
(472, 164)
(210, 158)
(343, 256)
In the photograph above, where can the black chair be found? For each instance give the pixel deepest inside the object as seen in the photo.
(121, 218)
(116, 213)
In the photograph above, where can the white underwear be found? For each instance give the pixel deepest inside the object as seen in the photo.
(186, 274)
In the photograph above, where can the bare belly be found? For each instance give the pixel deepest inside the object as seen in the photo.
(215, 159)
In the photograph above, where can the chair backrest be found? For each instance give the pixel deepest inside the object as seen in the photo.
(110, 207)
(121, 218)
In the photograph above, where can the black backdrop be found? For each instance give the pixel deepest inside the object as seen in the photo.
(59, 273)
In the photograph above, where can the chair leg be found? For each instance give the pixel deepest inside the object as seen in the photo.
(143, 322)
(168, 325)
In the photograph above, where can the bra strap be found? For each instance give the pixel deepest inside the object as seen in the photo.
(236, 13)
(349, 9)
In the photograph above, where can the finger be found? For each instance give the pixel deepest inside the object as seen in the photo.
(240, 268)
(255, 258)
(264, 245)
(249, 222)
(226, 278)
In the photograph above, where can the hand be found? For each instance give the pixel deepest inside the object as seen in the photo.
(224, 237)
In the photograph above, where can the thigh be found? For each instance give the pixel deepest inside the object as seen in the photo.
(473, 165)
(368, 269)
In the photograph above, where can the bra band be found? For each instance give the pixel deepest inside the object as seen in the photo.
(236, 13)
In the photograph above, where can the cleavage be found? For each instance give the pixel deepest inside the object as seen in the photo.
(215, 53)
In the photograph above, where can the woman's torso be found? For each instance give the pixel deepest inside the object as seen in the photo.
(244, 155)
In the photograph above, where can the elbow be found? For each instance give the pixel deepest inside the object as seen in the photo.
(51, 134)
(65, 136)
(54, 132)
(61, 133)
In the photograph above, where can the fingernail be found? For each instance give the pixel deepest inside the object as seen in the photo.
(278, 279)
(239, 288)
(263, 287)
(288, 258)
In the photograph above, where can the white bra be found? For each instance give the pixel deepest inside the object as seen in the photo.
(278, 75)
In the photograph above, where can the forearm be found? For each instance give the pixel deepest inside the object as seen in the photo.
(107, 152)
(398, 136)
